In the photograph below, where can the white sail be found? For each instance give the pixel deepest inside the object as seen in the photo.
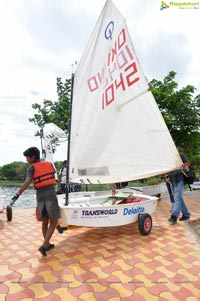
(117, 131)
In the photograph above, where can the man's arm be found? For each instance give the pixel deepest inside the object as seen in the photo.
(186, 163)
(21, 190)
(26, 183)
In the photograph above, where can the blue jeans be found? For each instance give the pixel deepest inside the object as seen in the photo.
(179, 204)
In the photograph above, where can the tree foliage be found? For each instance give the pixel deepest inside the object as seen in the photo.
(17, 170)
(181, 112)
(56, 112)
(14, 171)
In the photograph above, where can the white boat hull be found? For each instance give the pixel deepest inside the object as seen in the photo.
(153, 190)
(2, 202)
(195, 186)
(97, 212)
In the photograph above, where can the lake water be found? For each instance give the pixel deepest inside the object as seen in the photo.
(26, 200)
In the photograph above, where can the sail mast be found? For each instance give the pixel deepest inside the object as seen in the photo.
(68, 145)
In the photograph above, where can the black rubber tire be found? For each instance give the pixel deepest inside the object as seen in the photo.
(9, 213)
(145, 224)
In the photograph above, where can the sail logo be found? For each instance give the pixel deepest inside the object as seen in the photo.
(119, 72)
(75, 214)
(109, 30)
(131, 211)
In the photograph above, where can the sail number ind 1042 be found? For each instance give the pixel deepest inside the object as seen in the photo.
(119, 72)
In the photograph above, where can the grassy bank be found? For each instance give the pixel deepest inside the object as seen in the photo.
(6, 183)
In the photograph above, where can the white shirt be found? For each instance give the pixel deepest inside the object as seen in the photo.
(63, 173)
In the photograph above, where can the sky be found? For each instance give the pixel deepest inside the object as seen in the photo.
(42, 39)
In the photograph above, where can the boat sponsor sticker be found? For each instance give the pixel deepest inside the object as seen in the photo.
(99, 212)
(105, 213)
(94, 213)
(133, 210)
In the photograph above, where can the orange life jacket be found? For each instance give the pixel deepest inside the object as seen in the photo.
(44, 174)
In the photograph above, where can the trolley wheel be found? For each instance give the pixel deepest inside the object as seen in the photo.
(9, 213)
(145, 224)
(37, 213)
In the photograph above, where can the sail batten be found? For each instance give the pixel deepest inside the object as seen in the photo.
(117, 131)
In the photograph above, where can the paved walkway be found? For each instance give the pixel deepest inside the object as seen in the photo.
(104, 264)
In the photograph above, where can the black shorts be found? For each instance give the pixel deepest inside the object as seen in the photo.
(47, 203)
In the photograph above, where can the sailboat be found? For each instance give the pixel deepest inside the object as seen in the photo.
(117, 132)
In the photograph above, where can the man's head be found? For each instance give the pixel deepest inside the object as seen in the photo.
(32, 154)
(65, 163)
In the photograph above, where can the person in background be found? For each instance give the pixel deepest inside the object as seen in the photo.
(62, 176)
(177, 183)
(42, 173)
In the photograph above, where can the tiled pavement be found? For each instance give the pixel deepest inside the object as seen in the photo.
(105, 264)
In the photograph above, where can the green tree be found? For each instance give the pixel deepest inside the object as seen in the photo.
(56, 112)
(14, 171)
(181, 112)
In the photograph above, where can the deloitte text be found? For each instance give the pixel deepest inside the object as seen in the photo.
(130, 211)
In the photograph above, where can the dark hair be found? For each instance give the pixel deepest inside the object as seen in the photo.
(32, 151)
(65, 162)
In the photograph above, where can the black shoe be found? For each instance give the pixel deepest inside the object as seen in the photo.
(61, 229)
(43, 250)
(184, 218)
(49, 247)
(172, 220)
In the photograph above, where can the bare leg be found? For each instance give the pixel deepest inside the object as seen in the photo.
(49, 232)
(45, 222)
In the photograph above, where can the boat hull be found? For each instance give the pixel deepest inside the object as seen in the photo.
(152, 190)
(2, 202)
(195, 186)
(97, 212)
